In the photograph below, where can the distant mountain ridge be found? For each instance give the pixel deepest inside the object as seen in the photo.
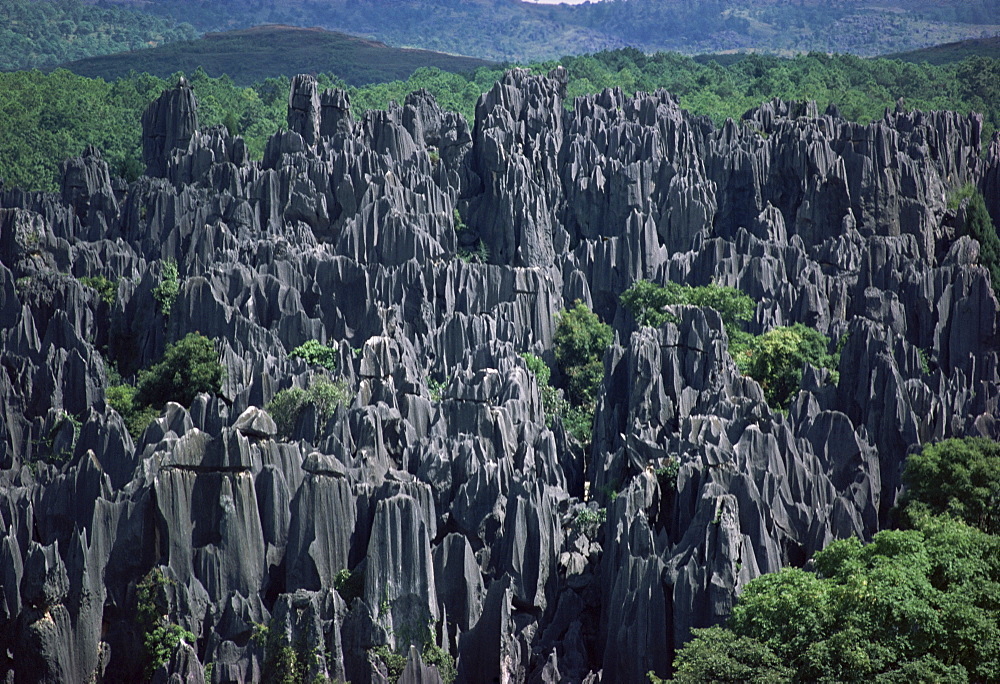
(510, 30)
(251, 55)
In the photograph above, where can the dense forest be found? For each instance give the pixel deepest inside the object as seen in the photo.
(44, 34)
(521, 31)
(57, 115)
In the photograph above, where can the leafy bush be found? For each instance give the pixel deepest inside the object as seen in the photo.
(479, 255)
(776, 359)
(394, 662)
(646, 301)
(188, 367)
(165, 293)
(957, 477)
(580, 340)
(105, 289)
(317, 354)
(161, 642)
(589, 521)
(442, 660)
(979, 226)
(436, 388)
(284, 663)
(122, 398)
(161, 637)
(287, 404)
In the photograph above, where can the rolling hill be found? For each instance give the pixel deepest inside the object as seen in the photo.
(953, 52)
(251, 55)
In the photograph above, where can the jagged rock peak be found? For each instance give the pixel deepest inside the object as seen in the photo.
(304, 108)
(168, 123)
(335, 110)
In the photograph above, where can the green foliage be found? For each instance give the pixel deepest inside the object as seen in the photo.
(925, 364)
(957, 477)
(325, 394)
(350, 585)
(589, 520)
(105, 289)
(285, 407)
(160, 637)
(165, 293)
(436, 388)
(580, 340)
(956, 197)
(188, 367)
(979, 226)
(284, 662)
(776, 359)
(442, 660)
(56, 115)
(394, 663)
(40, 34)
(717, 655)
(479, 255)
(122, 398)
(667, 474)
(151, 598)
(646, 301)
(553, 404)
(911, 603)
(161, 642)
(316, 353)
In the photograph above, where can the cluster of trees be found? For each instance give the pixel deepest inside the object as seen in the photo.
(920, 603)
(188, 367)
(40, 34)
(53, 116)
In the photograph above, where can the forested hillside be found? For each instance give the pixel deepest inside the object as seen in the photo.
(251, 55)
(519, 31)
(47, 33)
(58, 114)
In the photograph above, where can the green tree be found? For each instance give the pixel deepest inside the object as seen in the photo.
(580, 341)
(979, 226)
(957, 477)
(188, 367)
(717, 655)
(326, 395)
(916, 605)
(776, 360)
(166, 291)
(646, 301)
(316, 353)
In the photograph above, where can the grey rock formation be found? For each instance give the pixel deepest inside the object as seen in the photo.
(436, 505)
